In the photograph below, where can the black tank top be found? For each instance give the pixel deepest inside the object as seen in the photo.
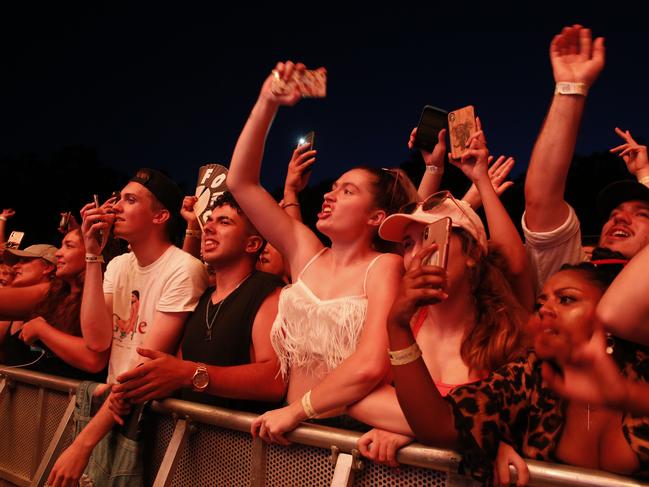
(231, 335)
(15, 352)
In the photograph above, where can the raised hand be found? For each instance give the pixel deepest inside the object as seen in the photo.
(436, 157)
(575, 57)
(299, 172)
(421, 285)
(7, 213)
(474, 162)
(187, 210)
(96, 224)
(278, 87)
(634, 154)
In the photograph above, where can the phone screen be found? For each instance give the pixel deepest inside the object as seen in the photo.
(308, 141)
(432, 120)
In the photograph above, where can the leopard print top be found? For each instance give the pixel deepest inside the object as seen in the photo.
(514, 406)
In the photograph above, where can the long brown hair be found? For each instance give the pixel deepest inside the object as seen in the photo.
(61, 307)
(497, 335)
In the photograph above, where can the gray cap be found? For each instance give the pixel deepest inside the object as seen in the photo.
(38, 251)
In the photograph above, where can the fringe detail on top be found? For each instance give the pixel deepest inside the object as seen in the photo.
(315, 334)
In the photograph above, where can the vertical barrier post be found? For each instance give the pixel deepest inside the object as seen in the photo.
(172, 455)
(258, 463)
(47, 460)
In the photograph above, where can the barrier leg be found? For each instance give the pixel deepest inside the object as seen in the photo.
(346, 467)
(172, 455)
(46, 462)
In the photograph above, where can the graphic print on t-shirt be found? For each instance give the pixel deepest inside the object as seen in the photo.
(128, 327)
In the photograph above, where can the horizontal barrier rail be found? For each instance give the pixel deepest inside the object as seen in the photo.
(195, 415)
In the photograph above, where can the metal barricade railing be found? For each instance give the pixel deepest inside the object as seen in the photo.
(195, 444)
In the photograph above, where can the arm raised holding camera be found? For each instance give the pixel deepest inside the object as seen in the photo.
(96, 307)
(292, 238)
(297, 177)
(503, 234)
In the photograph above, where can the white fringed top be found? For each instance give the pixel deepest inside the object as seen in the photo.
(313, 333)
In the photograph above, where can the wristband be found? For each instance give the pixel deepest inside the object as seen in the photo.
(3, 218)
(433, 169)
(405, 355)
(193, 233)
(644, 180)
(95, 258)
(286, 205)
(307, 406)
(567, 88)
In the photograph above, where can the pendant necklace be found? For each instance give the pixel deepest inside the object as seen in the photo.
(209, 323)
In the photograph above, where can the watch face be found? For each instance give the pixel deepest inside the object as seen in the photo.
(201, 379)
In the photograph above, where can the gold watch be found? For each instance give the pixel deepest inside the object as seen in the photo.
(200, 379)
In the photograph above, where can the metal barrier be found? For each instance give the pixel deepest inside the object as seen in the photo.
(194, 444)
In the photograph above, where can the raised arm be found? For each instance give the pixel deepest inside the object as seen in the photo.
(4, 216)
(192, 241)
(418, 396)
(503, 234)
(96, 308)
(297, 177)
(577, 60)
(624, 308)
(434, 164)
(293, 239)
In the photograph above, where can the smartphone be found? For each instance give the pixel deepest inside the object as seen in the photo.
(100, 235)
(14, 240)
(432, 120)
(307, 141)
(461, 125)
(311, 83)
(64, 222)
(438, 232)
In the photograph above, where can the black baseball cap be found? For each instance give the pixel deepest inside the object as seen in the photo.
(165, 190)
(619, 192)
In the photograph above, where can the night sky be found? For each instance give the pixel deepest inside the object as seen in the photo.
(168, 88)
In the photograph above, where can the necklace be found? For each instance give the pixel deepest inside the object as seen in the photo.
(209, 323)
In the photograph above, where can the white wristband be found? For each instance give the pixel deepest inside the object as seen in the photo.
(568, 88)
(3, 218)
(432, 169)
(91, 258)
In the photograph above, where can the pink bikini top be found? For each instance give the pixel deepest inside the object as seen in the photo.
(420, 317)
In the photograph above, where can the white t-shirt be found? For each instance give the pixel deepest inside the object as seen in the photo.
(173, 283)
(548, 251)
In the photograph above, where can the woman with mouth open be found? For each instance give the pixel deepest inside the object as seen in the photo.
(330, 330)
(515, 405)
(45, 314)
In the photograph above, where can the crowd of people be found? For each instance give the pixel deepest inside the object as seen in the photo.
(519, 347)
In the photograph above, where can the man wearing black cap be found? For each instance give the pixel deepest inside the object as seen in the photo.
(144, 298)
(551, 228)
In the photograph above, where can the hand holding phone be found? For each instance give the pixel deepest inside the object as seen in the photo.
(438, 232)
(310, 83)
(461, 126)
(300, 165)
(431, 122)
